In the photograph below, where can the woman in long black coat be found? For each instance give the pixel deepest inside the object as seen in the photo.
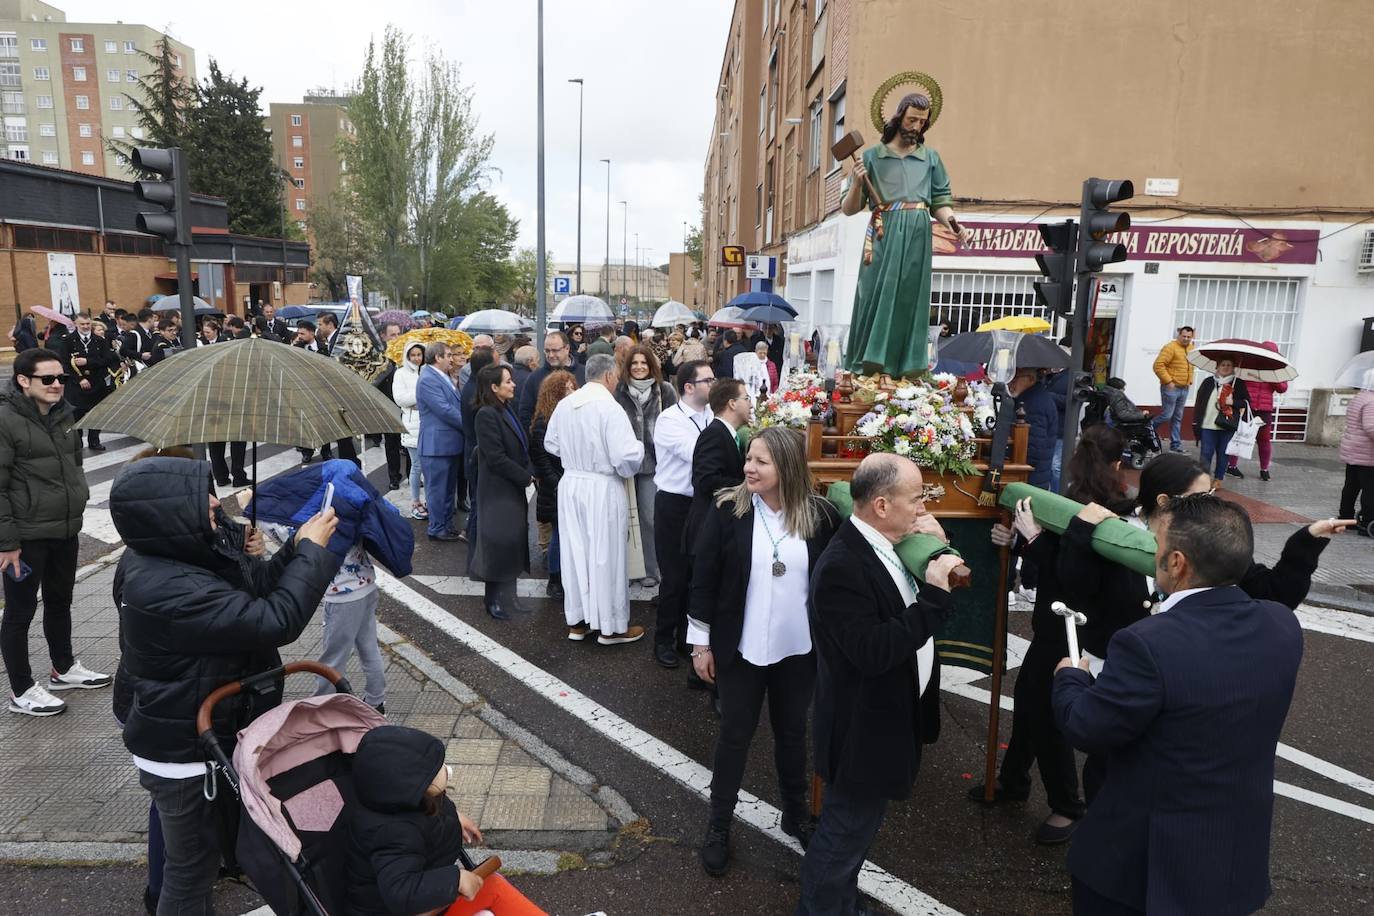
(500, 550)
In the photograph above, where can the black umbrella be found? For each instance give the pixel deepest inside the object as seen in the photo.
(1022, 351)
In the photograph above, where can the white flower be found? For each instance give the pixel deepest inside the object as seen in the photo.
(871, 428)
(902, 446)
(880, 396)
(906, 392)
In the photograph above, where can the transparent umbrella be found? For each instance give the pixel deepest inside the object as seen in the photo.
(1355, 374)
(494, 321)
(732, 316)
(582, 310)
(173, 304)
(672, 313)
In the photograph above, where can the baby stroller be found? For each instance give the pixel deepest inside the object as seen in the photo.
(292, 775)
(1109, 404)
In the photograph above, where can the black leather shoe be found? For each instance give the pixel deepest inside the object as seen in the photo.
(241, 482)
(715, 852)
(1000, 796)
(1235, 472)
(800, 826)
(97, 447)
(1264, 475)
(393, 484)
(665, 656)
(694, 682)
(555, 587)
(496, 611)
(1049, 835)
(448, 536)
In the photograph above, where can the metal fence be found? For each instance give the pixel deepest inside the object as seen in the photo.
(967, 300)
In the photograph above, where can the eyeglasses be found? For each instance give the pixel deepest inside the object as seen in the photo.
(702, 381)
(50, 379)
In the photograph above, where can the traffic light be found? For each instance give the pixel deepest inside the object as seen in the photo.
(174, 223)
(1055, 292)
(1098, 222)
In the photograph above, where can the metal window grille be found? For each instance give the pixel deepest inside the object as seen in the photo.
(1366, 259)
(966, 300)
(1256, 309)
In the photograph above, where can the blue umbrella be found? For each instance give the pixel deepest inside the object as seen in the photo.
(292, 312)
(754, 297)
(768, 314)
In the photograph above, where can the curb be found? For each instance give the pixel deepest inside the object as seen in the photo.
(1341, 598)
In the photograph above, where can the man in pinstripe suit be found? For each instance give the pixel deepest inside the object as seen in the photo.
(1188, 713)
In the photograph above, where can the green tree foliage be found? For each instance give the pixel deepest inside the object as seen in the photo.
(163, 100)
(231, 155)
(340, 247)
(525, 270)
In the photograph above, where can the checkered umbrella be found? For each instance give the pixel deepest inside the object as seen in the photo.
(246, 391)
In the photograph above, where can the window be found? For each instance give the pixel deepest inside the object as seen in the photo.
(111, 76)
(78, 46)
(758, 206)
(130, 243)
(41, 74)
(298, 163)
(79, 74)
(119, 130)
(820, 8)
(9, 44)
(967, 299)
(83, 102)
(297, 141)
(44, 101)
(300, 224)
(47, 130)
(130, 76)
(49, 157)
(19, 153)
(1259, 309)
(16, 130)
(299, 183)
(111, 47)
(295, 120)
(10, 76)
(836, 124)
(116, 103)
(176, 60)
(763, 108)
(40, 238)
(88, 158)
(814, 144)
(38, 44)
(131, 48)
(823, 295)
(137, 132)
(300, 203)
(84, 130)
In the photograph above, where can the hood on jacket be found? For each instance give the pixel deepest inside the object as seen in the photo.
(160, 507)
(393, 767)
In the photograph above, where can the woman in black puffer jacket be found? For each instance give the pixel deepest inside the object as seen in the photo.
(194, 614)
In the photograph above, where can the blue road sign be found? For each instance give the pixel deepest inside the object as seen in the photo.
(562, 286)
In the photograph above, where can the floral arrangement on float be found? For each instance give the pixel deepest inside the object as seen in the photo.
(925, 421)
(800, 399)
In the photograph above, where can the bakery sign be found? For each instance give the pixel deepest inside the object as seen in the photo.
(1147, 243)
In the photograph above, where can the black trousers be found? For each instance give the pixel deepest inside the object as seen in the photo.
(1088, 902)
(234, 470)
(1359, 482)
(92, 435)
(1034, 736)
(53, 569)
(674, 568)
(392, 443)
(789, 685)
(347, 450)
(830, 869)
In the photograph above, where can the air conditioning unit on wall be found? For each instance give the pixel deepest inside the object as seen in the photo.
(1365, 264)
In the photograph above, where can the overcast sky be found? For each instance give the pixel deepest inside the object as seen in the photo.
(650, 66)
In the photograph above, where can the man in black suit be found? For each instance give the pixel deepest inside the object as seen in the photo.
(717, 460)
(1188, 712)
(309, 338)
(89, 360)
(723, 363)
(328, 332)
(277, 328)
(878, 678)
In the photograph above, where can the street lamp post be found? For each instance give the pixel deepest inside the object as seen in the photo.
(578, 81)
(541, 278)
(606, 273)
(637, 267)
(624, 248)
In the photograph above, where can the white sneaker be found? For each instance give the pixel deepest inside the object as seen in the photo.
(37, 702)
(78, 676)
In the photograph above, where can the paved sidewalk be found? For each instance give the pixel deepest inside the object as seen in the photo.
(67, 780)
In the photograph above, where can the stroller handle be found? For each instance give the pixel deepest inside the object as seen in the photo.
(203, 720)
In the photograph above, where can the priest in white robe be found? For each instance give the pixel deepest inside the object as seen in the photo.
(592, 435)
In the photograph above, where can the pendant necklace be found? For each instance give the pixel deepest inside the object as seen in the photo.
(779, 567)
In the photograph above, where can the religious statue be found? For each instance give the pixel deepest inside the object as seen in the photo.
(901, 181)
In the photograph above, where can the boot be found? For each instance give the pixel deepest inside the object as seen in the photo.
(510, 599)
(492, 602)
(715, 851)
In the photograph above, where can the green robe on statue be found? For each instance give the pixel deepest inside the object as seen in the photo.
(889, 331)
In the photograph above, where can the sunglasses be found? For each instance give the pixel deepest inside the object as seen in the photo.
(50, 379)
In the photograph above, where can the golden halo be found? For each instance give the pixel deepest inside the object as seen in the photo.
(908, 82)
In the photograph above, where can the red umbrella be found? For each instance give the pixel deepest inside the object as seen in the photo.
(53, 315)
(1255, 361)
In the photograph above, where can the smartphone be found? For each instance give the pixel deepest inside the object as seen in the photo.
(328, 497)
(24, 571)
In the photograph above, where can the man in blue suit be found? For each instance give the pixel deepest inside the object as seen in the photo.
(441, 439)
(1188, 713)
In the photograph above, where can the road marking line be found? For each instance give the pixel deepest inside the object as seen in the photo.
(112, 457)
(1316, 799)
(879, 884)
(1324, 768)
(1336, 623)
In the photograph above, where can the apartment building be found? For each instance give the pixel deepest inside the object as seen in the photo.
(65, 86)
(305, 139)
(1235, 121)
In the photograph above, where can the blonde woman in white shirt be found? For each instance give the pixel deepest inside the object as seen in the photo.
(748, 625)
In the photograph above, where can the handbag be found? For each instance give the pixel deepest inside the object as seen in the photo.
(1242, 443)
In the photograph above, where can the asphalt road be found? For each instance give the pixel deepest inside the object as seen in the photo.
(971, 859)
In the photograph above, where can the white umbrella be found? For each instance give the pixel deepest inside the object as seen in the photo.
(1353, 374)
(494, 321)
(672, 313)
(729, 317)
(582, 309)
(1254, 362)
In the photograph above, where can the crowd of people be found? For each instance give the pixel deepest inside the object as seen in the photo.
(632, 444)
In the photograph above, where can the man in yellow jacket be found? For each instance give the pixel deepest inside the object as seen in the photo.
(1175, 378)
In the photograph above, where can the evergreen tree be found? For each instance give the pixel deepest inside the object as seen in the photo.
(230, 155)
(165, 100)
